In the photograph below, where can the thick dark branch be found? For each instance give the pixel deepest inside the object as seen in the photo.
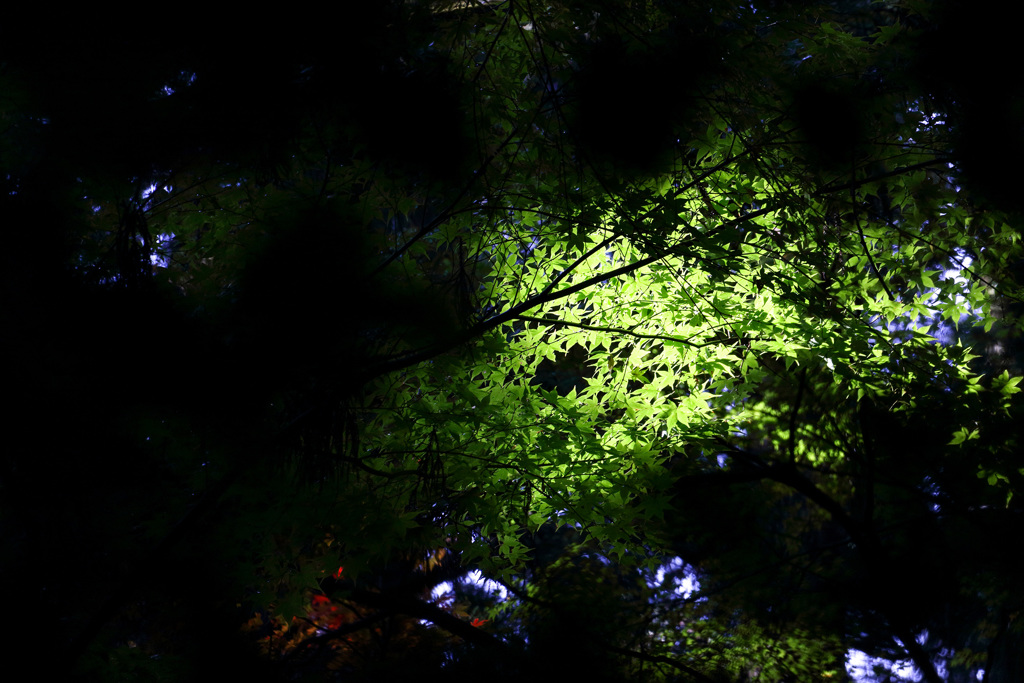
(612, 330)
(575, 264)
(335, 634)
(422, 610)
(417, 357)
(867, 544)
(540, 299)
(827, 190)
(789, 475)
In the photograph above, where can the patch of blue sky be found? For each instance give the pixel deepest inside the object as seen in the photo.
(476, 578)
(863, 668)
(443, 594)
(445, 591)
(943, 329)
(161, 253)
(148, 192)
(185, 79)
(160, 256)
(934, 492)
(682, 575)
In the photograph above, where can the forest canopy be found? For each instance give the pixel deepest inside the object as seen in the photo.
(689, 330)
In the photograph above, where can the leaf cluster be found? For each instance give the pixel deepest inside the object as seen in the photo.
(555, 292)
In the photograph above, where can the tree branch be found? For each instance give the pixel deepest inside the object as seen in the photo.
(867, 544)
(613, 330)
(422, 610)
(853, 184)
(416, 357)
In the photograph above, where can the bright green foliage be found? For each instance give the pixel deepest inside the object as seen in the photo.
(742, 284)
(633, 261)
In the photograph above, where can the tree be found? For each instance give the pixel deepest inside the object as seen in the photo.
(679, 280)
